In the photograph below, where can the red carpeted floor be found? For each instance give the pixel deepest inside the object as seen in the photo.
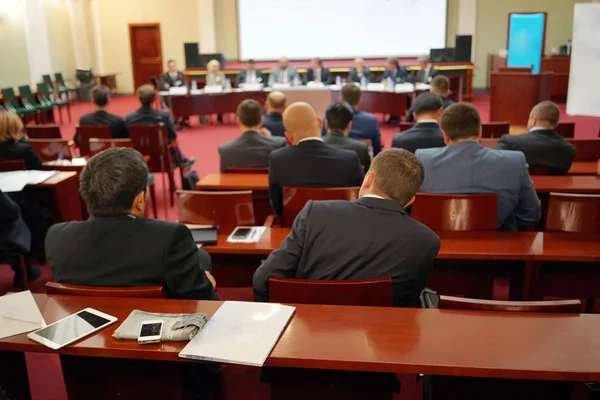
(201, 142)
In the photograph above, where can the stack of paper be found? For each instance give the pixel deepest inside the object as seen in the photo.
(15, 181)
(240, 333)
(19, 314)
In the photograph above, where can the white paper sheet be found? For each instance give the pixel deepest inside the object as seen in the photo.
(15, 181)
(19, 314)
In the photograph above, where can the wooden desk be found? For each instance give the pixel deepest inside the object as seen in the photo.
(584, 168)
(65, 196)
(589, 184)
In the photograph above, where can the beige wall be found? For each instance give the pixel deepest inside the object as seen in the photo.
(59, 38)
(451, 22)
(226, 26)
(14, 66)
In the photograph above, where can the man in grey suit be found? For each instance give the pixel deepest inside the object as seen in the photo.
(283, 73)
(253, 148)
(249, 75)
(465, 166)
(338, 121)
(371, 237)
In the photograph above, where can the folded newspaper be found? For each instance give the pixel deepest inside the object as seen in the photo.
(176, 327)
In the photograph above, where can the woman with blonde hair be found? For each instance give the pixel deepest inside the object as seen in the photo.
(214, 77)
(13, 145)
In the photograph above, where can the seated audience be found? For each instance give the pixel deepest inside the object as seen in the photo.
(440, 86)
(317, 72)
(427, 71)
(359, 71)
(364, 125)
(250, 74)
(371, 237)
(117, 246)
(253, 148)
(339, 121)
(214, 76)
(465, 166)
(543, 146)
(13, 145)
(273, 119)
(100, 96)
(309, 162)
(394, 71)
(426, 133)
(283, 73)
(146, 115)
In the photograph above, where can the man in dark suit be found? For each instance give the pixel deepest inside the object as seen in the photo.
(465, 166)
(309, 162)
(440, 86)
(273, 119)
(364, 125)
(359, 71)
(394, 71)
(543, 146)
(173, 78)
(100, 96)
(249, 75)
(254, 147)
(371, 237)
(146, 115)
(317, 72)
(427, 71)
(339, 121)
(426, 133)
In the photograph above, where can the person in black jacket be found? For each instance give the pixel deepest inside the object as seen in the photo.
(371, 237)
(317, 73)
(100, 96)
(309, 162)
(173, 78)
(339, 123)
(543, 146)
(13, 145)
(359, 71)
(440, 86)
(426, 133)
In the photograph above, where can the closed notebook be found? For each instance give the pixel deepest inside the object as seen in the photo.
(240, 333)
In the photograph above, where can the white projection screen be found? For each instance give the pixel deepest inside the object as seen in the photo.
(303, 29)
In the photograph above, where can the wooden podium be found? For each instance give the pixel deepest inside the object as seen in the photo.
(514, 93)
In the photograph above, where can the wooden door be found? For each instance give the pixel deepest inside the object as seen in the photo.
(146, 52)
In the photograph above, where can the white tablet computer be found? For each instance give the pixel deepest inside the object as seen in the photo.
(72, 328)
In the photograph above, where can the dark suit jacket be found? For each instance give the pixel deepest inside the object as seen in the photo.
(116, 123)
(274, 123)
(432, 74)
(122, 251)
(354, 77)
(310, 76)
(149, 116)
(20, 150)
(311, 164)
(542, 148)
(339, 141)
(241, 78)
(14, 234)
(166, 78)
(398, 76)
(380, 240)
(422, 136)
(364, 126)
(445, 104)
(249, 150)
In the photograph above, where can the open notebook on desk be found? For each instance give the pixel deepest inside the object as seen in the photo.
(15, 181)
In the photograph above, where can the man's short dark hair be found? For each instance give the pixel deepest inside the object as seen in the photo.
(251, 61)
(100, 95)
(441, 83)
(393, 60)
(146, 94)
(461, 121)
(547, 111)
(318, 60)
(249, 112)
(112, 179)
(171, 61)
(350, 94)
(427, 103)
(398, 174)
(339, 115)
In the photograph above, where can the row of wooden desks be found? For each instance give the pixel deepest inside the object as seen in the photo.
(327, 338)
(64, 192)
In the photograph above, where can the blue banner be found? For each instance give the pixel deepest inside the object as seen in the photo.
(526, 40)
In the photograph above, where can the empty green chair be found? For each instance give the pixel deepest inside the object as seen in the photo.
(46, 96)
(62, 87)
(12, 104)
(29, 101)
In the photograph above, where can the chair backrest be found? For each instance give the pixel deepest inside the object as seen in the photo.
(49, 131)
(264, 170)
(43, 88)
(51, 149)
(364, 292)
(145, 139)
(224, 209)
(12, 165)
(539, 171)
(99, 145)
(404, 126)
(573, 213)
(295, 198)
(148, 292)
(48, 81)
(566, 129)
(456, 212)
(586, 149)
(25, 91)
(560, 306)
(87, 132)
(515, 69)
(494, 129)
(9, 94)
(59, 78)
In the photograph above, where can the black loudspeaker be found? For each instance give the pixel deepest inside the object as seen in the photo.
(192, 55)
(205, 59)
(463, 48)
(441, 55)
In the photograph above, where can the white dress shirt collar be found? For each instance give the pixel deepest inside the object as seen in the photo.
(319, 138)
(374, 196)
(538, 128)
(427, 121)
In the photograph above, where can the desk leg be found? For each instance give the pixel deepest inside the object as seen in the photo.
(67, 203)
(13, 375)
(520, 281)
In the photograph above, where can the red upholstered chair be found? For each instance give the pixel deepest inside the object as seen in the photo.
(224, 209)
(146, 292)
(578, 213)
(51, 149)
(365, 292)
(96, 146)
(43, 131)
(456, 212)
(264, 170)
(586, 149)
(494, 129)
(295, 198)
(12, 165)
(404, 126)
(566, 129)
(460, 303)
(87, 132)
